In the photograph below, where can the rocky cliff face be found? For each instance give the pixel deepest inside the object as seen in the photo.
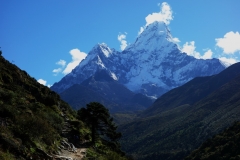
(152, 65)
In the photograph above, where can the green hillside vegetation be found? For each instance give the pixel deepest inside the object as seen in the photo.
(224, 146)
(182, 119)
(33, 120)
(101, 124)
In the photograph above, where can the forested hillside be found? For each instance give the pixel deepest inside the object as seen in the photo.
(224, 146)
(183, 118)
(36, 124)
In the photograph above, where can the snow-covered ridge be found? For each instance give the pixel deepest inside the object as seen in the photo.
(156, 36)
(152, 65)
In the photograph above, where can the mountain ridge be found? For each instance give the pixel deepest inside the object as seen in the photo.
(224, 145)
(200, 87)
(152, 65)
(172, 127)
(102, 88)
(35, 123)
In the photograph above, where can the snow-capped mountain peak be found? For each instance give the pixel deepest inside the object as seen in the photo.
(152, 65)
(99, 52)
(105, 49)
(155, 36)
(101, 48)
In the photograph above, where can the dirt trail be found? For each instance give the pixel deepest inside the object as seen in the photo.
(67, 155)
(67, 150)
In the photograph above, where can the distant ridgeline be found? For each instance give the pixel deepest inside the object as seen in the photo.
(182, 119)
(146, 69)
(222, 146)
(35, 123)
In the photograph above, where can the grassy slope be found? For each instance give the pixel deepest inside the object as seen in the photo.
(30, 114)
(31, 118)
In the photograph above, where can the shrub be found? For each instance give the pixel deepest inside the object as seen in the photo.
(6, 156)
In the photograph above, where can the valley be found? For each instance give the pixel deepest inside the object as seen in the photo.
(165, 102)
(170, 127)
(36, 124)
(120, 80)
(183, 118)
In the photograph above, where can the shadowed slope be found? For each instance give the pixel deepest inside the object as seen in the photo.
(102, 88)
(185, 117)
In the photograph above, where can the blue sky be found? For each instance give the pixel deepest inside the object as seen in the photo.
(48, 38)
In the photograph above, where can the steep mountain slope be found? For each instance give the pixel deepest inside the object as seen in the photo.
(182, 119)
(193, 91)
(102, 88)
(157, 65)
(100, 57)
(31, 120)
(78, 95)
(152, 65)
(222, 146)
(36, 124)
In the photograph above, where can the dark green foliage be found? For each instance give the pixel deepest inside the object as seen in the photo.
(193, 91)
(224, 146)
(98, 117)
(32, 118)
(104, 133)
(35, 128)
(182, 119)
(29, 114)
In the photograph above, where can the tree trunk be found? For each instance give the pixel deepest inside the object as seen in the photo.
(93, 134)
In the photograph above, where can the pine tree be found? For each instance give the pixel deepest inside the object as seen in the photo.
(101, 123)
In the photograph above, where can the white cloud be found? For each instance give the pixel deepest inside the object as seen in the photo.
(176, 40)
(41, 81)
(141, 30)
(230, 43)
(56, 71)
(207, 55)
(61, 63)
(164, 15)
(227, 61)
(189, 49)
(122, 40)
(77, 57)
